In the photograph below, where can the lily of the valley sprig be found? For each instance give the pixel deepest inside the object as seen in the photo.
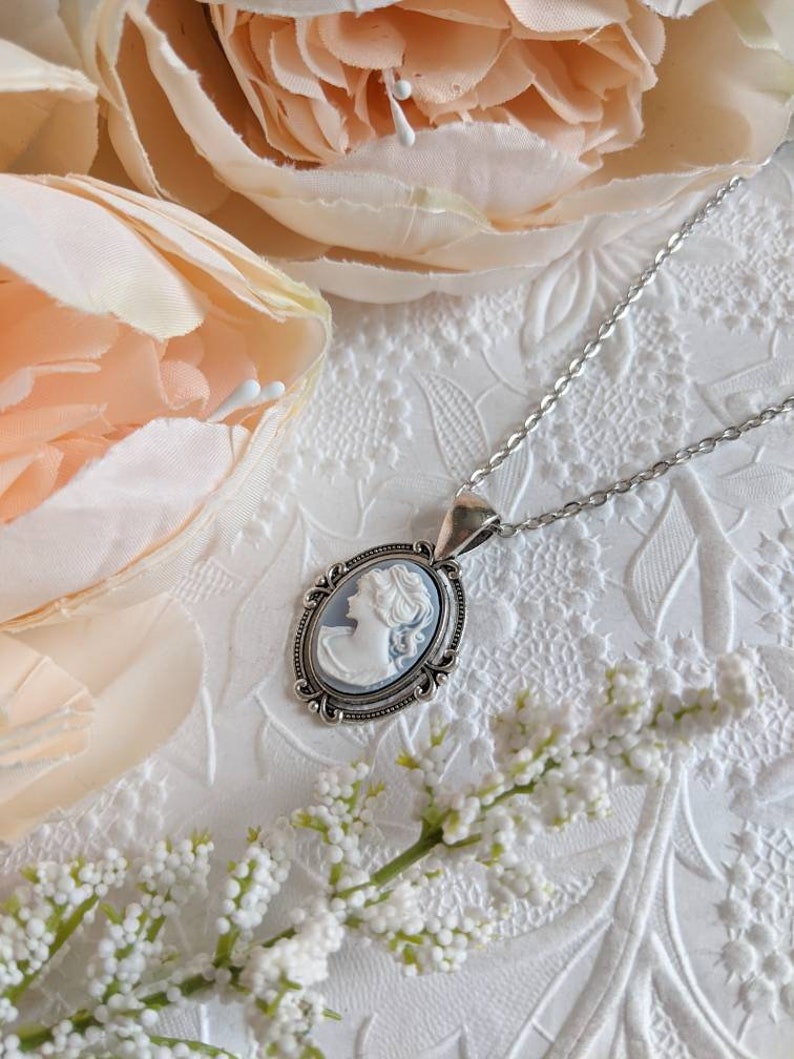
(545, 777)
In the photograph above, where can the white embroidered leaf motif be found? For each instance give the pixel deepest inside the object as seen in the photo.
(749, 390)
(655, 569)
(779, 664)
(759, 484)
(458, 426)
(574, 291)
(689, 847)
(770, 801)
(509, 483)
(275, 591)
(559, 303)
(491, 619)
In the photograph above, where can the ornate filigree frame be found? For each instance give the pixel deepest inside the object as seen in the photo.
(420, 682)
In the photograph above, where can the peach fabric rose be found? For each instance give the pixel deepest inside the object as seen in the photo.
(131, 329)
(273, 119)
(140, 337)
(324, 87)
(48, 115)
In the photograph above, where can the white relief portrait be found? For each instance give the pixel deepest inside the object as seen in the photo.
(392, 609)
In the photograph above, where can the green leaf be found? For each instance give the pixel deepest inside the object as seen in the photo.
(195, 1046)
(407, 761)
(12, 905)
(438, 737)
(154, 928)
(223, 950)
(110, 913)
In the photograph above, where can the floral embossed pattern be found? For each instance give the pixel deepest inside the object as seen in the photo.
(670, 931)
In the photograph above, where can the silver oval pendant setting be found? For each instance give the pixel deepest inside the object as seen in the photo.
(379, 632)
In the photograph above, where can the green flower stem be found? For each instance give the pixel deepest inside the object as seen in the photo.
(33, 1037)
(196, 1046)
(432, 836)
(62, 935)
(224, 948)
(289, 932)
(427, 841)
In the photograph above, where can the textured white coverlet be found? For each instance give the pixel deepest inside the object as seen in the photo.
(671, 930)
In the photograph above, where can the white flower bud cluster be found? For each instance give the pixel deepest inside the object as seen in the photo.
(398, 911)
(65, 1043)
(131, 945)
(624, 736)
(570, 788)
(282, 1008)
(132, 1041)
(577, 787)
(423, 943)
(525, 738)
(638, 737)
(502, 849)
(301, 958)
(171, 875)
(552, 784)
(253, 882)
(342, 815)
(736, 685)
(428, 768)
(545, 777)
(528, 742)
(36, 914)
(284, 1032)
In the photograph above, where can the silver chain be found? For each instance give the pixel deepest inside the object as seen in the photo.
(589, 351)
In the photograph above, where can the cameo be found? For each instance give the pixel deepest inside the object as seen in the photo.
(372, 630)
(379, 631)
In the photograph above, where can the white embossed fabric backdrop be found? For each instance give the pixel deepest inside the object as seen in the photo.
(671, 932)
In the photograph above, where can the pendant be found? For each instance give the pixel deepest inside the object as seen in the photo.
(382, 630)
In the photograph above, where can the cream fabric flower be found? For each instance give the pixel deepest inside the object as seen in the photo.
(127, 326)
(48, 115)
(621, 110)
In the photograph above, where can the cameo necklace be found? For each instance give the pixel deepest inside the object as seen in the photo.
(382, 630)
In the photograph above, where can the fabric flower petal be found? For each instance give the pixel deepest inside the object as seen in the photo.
(113, 510)
(83, 701)
(48, 115)
(157, 313)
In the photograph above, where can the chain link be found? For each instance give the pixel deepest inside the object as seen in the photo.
(649, 474)
(589, 351)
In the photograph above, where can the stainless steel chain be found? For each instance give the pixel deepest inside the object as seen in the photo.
(589, 351)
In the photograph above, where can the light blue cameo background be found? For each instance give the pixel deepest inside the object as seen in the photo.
(334, 617)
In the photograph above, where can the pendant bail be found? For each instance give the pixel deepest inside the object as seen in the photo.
(469, 522)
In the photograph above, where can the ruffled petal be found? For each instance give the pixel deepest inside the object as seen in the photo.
(87, 700)
(48, 115)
